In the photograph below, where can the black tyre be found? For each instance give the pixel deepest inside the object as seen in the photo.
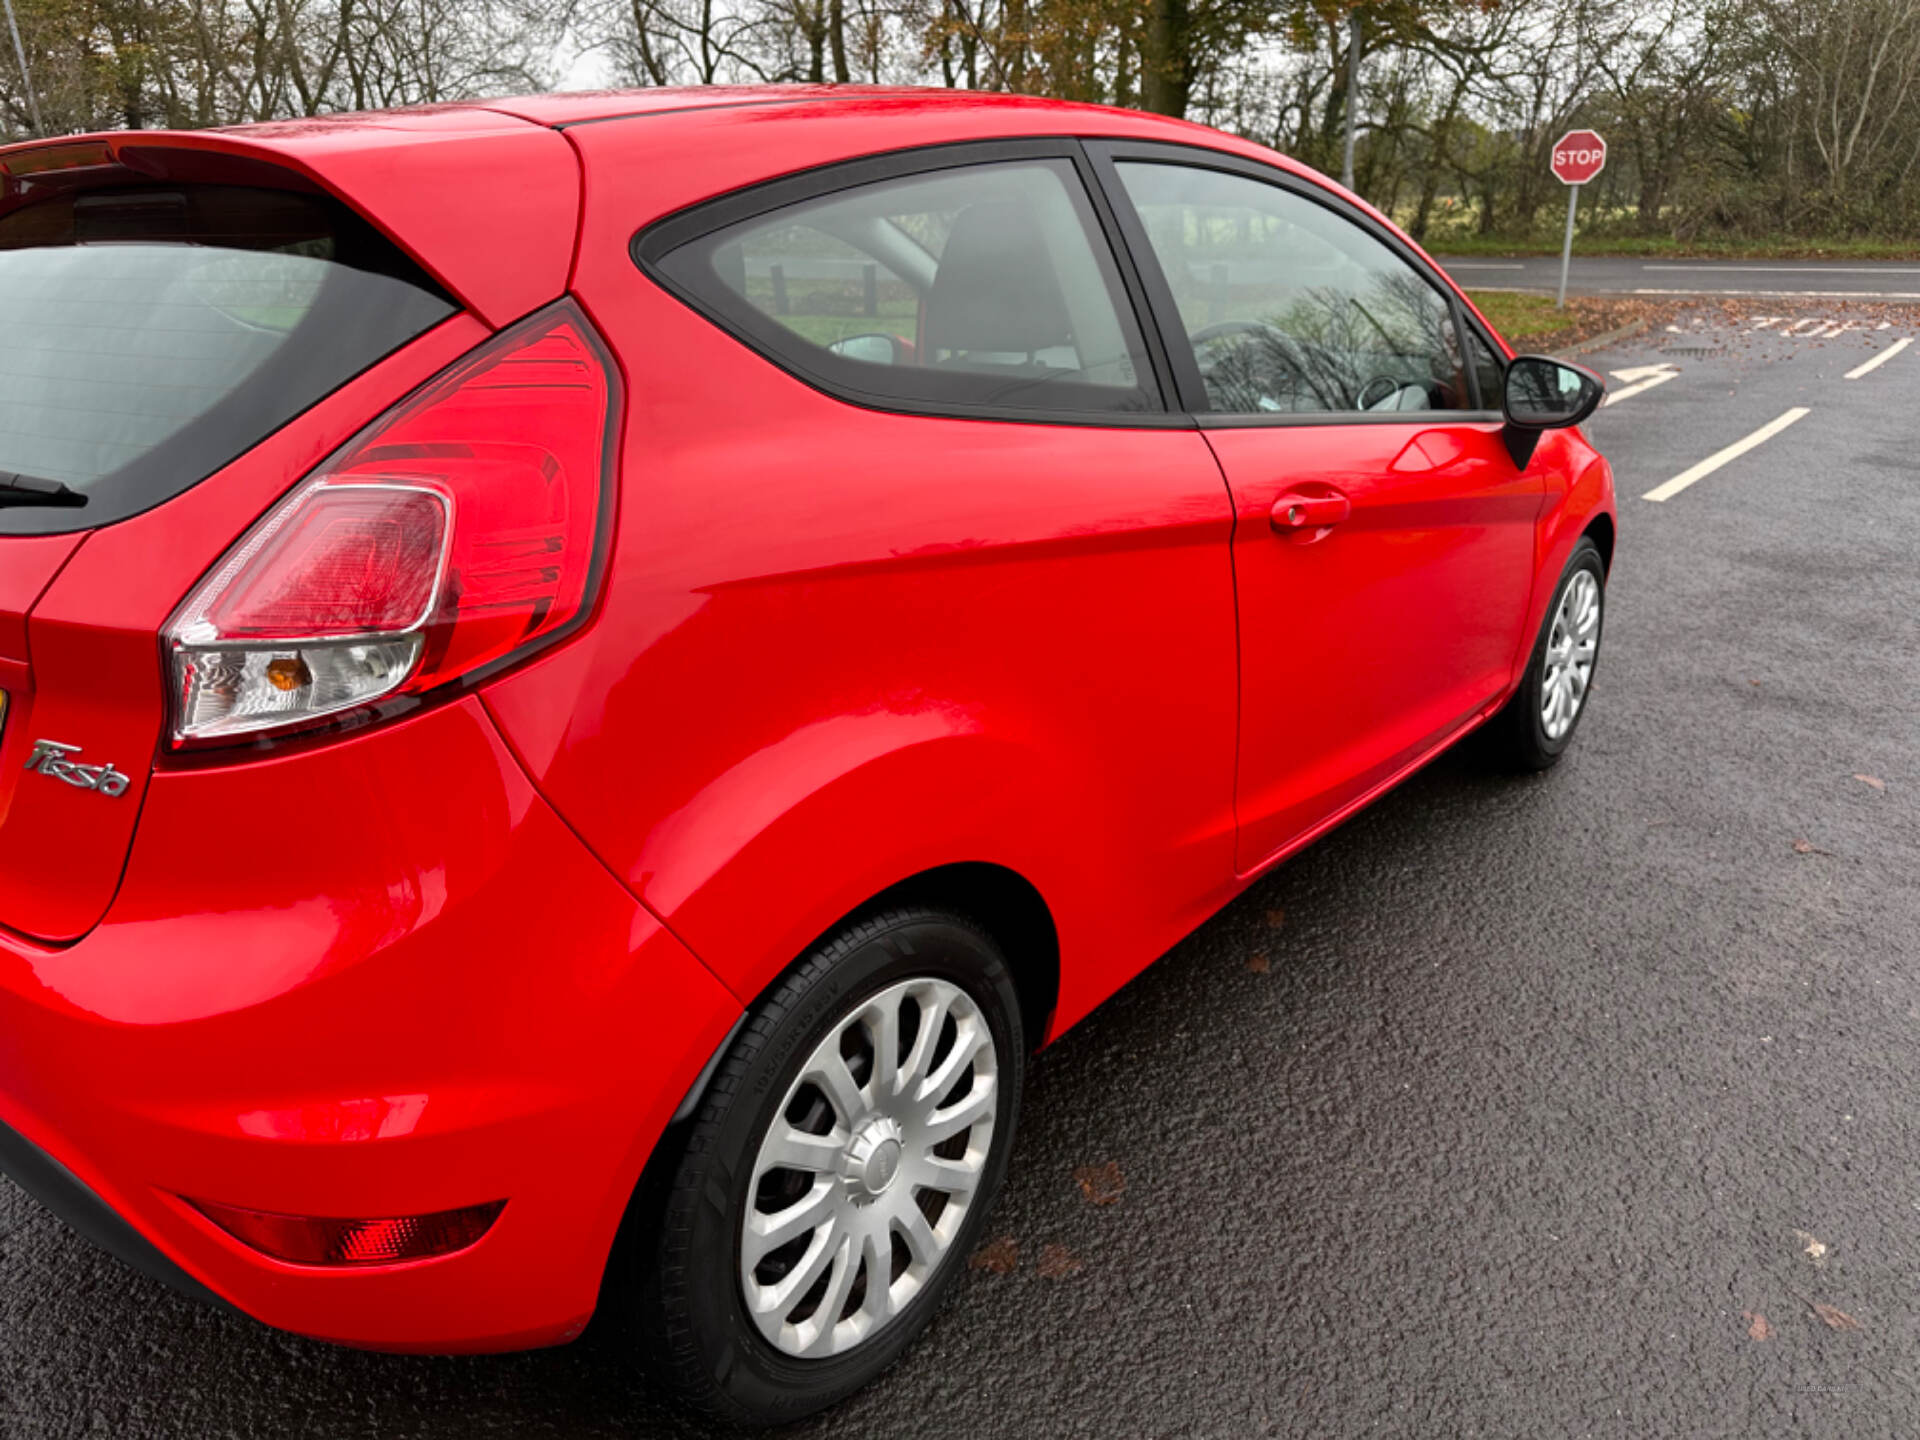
(826, 1196)
(1538, 723)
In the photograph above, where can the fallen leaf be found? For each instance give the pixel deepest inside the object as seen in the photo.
(997, 1256)
(1815, 1251)
(1102, 1184)
(1834, 1319)
(1258, 963)
(1807, 847)
(1757, 1327)
(1057, 1262)
(1754, 683)
(1276, 918)
(1875, 781)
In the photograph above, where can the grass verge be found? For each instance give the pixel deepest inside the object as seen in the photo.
(1531, 322)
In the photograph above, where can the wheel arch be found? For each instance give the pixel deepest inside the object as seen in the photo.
(1012, 911)
(1601, 531)
(1000, 899)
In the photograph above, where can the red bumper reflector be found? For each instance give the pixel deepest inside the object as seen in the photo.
(308, 1240)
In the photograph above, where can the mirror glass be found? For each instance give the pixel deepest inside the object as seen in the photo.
(874, 349)
(1544, 393)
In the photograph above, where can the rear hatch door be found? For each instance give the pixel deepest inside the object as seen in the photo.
(155, 333)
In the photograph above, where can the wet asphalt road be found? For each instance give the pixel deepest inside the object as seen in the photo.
(1517, 1107)
(1634, 275)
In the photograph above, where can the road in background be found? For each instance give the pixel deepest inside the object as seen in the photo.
(1570, 1105)
(1632, 275)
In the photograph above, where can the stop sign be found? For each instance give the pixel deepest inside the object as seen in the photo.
(1580, 155)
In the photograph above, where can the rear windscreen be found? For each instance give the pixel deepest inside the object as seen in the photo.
(148, 336)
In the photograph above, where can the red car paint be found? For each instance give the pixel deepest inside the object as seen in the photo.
(481, 951)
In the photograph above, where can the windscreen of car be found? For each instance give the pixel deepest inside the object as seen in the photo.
(149, 336)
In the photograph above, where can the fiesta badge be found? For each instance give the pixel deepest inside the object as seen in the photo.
(50, 757)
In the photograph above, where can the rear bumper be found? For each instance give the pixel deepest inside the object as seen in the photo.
(406, 988)
(62, 1192)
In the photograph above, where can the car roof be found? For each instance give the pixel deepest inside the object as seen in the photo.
(584, 106)
(557, 110)
(393, 164)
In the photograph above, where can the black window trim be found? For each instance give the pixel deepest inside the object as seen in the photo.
(1106, 154)
(655, 241)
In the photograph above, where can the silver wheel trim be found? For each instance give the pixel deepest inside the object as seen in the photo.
(1572, 645)
(874, 1174)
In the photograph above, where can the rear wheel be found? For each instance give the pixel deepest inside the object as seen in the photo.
(842, 1160)
(1538, 723)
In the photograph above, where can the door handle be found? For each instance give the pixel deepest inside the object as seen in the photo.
(1294, 512)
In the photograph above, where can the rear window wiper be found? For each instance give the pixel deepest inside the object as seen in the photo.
(18, 489)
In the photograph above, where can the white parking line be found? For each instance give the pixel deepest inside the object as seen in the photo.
(1723, 457)
(1645, 377)
(1877, 361)
(1794, 269)
(1796, 294)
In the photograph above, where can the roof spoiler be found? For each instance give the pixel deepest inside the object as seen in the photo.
(485, 203)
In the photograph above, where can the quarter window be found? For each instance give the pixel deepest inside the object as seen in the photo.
(1289, 307)
(983, 286)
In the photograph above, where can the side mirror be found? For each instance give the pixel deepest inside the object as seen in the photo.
(873, 349)
(1543, 394)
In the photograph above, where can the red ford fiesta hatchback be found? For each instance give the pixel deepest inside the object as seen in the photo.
(610, 665)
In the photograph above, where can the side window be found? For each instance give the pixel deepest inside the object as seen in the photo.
(1288, 306)
(985, 286)
(1489, 368)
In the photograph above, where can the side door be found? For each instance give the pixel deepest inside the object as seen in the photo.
(1383, 543)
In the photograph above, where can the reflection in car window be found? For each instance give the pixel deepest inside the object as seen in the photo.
(1489, 369)
(1291, 308)
(151, 333)
(981, 285)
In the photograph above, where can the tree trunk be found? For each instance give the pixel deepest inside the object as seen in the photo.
(1014, 21)
(813, 27)
(1440, 143)
(837, 31)
(1166, 60)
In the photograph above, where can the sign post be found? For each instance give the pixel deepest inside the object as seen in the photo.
(1577, 158)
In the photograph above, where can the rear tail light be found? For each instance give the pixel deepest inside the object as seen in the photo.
(306, 1240)
(462, 530)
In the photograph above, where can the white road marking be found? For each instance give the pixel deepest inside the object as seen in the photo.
(1877, 361)
(1793, 269)
(1481, 265)
(1823, 329)
(1725, 457)
(1639, 378)
(1794, 294)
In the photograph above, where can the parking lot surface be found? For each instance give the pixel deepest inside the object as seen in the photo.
(1562, 1106)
